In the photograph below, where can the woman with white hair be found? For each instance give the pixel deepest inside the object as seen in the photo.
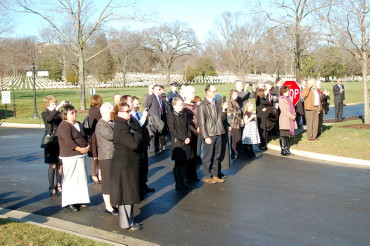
(191, 111)
(104, 135)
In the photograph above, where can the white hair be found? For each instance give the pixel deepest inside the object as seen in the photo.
(189, 89)
(311, 81)
(106, 108)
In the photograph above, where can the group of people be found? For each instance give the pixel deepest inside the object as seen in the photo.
(120, 137)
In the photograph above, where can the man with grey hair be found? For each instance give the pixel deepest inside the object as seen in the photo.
(312, 106)
(243, 94)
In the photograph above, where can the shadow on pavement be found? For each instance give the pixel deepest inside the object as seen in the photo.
(4, 200)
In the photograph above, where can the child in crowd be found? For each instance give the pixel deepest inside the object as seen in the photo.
(182, 152)
(250, 132)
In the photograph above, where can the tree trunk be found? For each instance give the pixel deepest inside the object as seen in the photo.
(124, 76)
(366, 90)
(168, 76)
(81, 78)
(297, 58)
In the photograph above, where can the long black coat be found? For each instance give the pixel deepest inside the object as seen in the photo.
(180, 130)
(124, 184)
(51, 121)
(265, 119)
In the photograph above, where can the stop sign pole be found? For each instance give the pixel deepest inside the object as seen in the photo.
(295, 91)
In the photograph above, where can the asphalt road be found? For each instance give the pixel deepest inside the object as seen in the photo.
(270, 200)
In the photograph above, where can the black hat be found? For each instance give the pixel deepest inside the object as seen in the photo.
(174, 84)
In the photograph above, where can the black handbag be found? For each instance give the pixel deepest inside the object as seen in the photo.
(49, 139)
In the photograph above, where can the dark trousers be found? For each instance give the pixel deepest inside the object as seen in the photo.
(143, 171)
(154, 142)
(276, 129)
(191, 167)
(236, 140)
(211, 156)
(263, 136)
(321, 122)
(338, 111)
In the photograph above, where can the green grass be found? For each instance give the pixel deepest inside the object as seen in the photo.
(346, 142)
(24, 98)
(16, 233)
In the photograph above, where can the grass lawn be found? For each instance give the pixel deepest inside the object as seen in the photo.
(339, 139)
(24, 98)
(16, 233)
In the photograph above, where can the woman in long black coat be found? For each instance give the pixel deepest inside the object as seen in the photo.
(182, 152)
(265, 116)
(52, 119)
(124, 183)
(94, 117)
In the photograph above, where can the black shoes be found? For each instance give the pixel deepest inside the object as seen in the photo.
(95, 181)
(73, 208)
(52, 192)
(113, 212)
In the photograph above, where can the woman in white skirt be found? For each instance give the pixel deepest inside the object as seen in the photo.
(73, 149)
(250, 132)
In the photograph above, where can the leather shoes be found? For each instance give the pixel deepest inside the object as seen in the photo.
(113, 212)
(209, 181)
(136, 227)
(73, 207)
(148, 189)
(218, 180)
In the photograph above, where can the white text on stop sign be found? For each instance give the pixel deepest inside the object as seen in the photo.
(293, 93)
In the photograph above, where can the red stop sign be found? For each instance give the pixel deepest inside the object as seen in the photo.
(295, 91)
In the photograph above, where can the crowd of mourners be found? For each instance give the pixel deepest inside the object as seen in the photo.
(209, 132)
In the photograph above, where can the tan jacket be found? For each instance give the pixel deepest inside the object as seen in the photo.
(309, 99)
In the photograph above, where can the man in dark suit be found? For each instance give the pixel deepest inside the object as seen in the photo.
(145, 97)
(243, 94)
(155, 107)
(338, 91)
(139, 121)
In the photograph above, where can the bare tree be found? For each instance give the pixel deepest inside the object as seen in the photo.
(128, 43)
(236, 41)
(292, 14)
(275, 50)
(6, 18)
(169, 42)
(348, 25)
(75, 21)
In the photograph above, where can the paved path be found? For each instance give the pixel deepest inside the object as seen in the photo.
(270, 200)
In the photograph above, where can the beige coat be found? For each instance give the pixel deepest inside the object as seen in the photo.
(285, 115)
(309, 99)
